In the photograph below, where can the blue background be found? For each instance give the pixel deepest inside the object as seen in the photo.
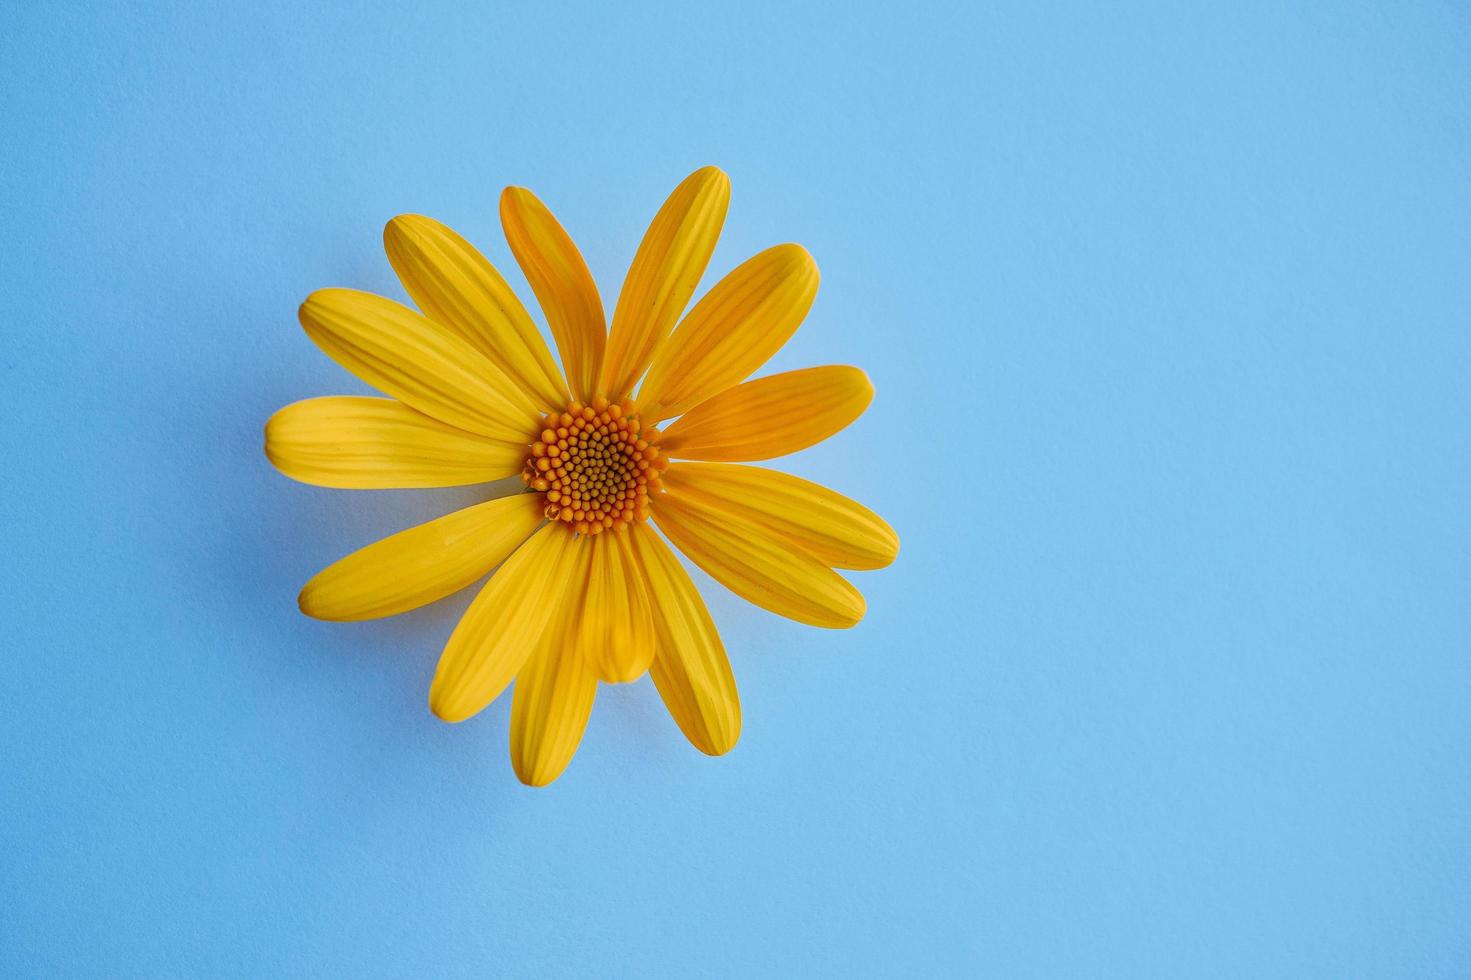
(1167, 310)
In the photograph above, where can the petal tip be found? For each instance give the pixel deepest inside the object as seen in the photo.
(794, 263)
(713, 181)
(537, 773)
(311, 602)
(445, 708)
(410, 231)
(794, 253)
(854, 615)
(536, 780)
(515, 194)
(270, 434)
(397, 227)
(610, 673)
(517, 204)
(319, 302)
(723, 744)
(862, 388)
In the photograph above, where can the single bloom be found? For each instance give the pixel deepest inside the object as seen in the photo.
(584, 590)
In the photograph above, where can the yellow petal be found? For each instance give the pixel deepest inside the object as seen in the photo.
(665, 271)
(424, 563)
(503, 625)
(562, 283)
(758, 565)
(827, 525)
(458, 287)
(690, 667)
(377, 443)
(419, 362)
(731, 332)
(617, 633)
(771, 416)
(551, 704)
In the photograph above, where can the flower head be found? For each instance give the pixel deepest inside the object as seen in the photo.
(584, 589)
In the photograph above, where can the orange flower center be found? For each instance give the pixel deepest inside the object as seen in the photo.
(595, 466)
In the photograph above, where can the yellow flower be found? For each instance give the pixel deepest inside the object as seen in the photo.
(585, 591)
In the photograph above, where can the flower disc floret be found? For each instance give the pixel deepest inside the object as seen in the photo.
(595, 466)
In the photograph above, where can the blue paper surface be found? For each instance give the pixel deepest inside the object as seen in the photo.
(1167, 311)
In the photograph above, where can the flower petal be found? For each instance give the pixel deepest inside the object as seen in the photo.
(825, 524)
(665, 271)
(616, 633)
(419, 362)
(690, 667)
(743, 320)
(563, 285)
(357, 443)
(771, 416)
(503, 625)
(415, 567)
(458, 287)
(758, 565)
(551, 703)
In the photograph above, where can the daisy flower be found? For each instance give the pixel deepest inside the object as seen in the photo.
(584, 589)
